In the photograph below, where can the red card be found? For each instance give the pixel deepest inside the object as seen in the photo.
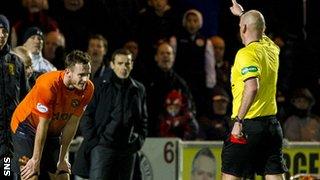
(236, 140)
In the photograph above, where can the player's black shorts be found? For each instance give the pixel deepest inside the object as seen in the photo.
(262, 154)
(23, 144)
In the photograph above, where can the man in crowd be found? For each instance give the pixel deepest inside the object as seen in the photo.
(114, 125)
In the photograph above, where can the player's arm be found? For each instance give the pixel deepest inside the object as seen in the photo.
(251, 87)
(236, 9)
(67, 135)
(33, 165)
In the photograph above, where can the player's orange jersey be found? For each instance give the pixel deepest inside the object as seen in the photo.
(51, 99)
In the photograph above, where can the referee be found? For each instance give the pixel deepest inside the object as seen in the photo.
(255, 143)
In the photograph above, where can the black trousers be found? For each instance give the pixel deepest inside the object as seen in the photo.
(110, 164)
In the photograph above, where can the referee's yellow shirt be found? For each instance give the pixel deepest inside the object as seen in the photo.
(258, 59)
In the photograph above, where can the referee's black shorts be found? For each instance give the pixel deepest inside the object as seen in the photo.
(261, 155)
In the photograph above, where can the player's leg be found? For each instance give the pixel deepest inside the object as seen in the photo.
(275, 166)
(234, 158)
(103, 160)
(23, 149)
(275, 177)
(63, 176)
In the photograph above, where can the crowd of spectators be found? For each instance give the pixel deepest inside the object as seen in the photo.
(183, 52)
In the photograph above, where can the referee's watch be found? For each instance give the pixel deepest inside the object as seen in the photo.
(239, 120)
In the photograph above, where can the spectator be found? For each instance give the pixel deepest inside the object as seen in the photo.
(162, 80)
(75, 22)
(176, 120)
(139, 67)
(215, 124)
(53, 50)
(114, 131)
(34, 14)
(223, 68)
(302, 125)
(97, 49)
(33, 42)
(195, 59)
(25, 57)
(12, 89)
(158, 22)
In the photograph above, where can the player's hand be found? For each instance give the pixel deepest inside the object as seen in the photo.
(237, 130)
(30, 169)
(236, 9)
(63, 167)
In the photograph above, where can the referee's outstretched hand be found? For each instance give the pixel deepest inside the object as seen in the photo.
(236, 9)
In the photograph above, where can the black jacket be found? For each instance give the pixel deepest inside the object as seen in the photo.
(12, 90)
(116, 118)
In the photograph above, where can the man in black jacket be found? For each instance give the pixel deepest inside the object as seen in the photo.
(12, 90)
(114, 125)
(159, 83)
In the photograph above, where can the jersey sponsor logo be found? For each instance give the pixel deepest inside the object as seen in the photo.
(61, 116)
(249, 69)
(42, 108)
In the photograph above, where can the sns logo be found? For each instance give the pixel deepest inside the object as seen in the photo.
(6, 166)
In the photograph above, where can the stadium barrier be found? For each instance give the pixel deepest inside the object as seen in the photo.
(171, 158)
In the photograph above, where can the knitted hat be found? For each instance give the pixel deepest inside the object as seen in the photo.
(195, 12)
(4, 23)
(32, 31)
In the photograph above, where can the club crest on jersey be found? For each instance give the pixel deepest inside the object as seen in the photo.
(75, 103)
(42, 108)
(11, 68)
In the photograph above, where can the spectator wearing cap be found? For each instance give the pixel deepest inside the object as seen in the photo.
(12, 89)
(302, 125)
(33, 42)
(214, 125)
(195, 60)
